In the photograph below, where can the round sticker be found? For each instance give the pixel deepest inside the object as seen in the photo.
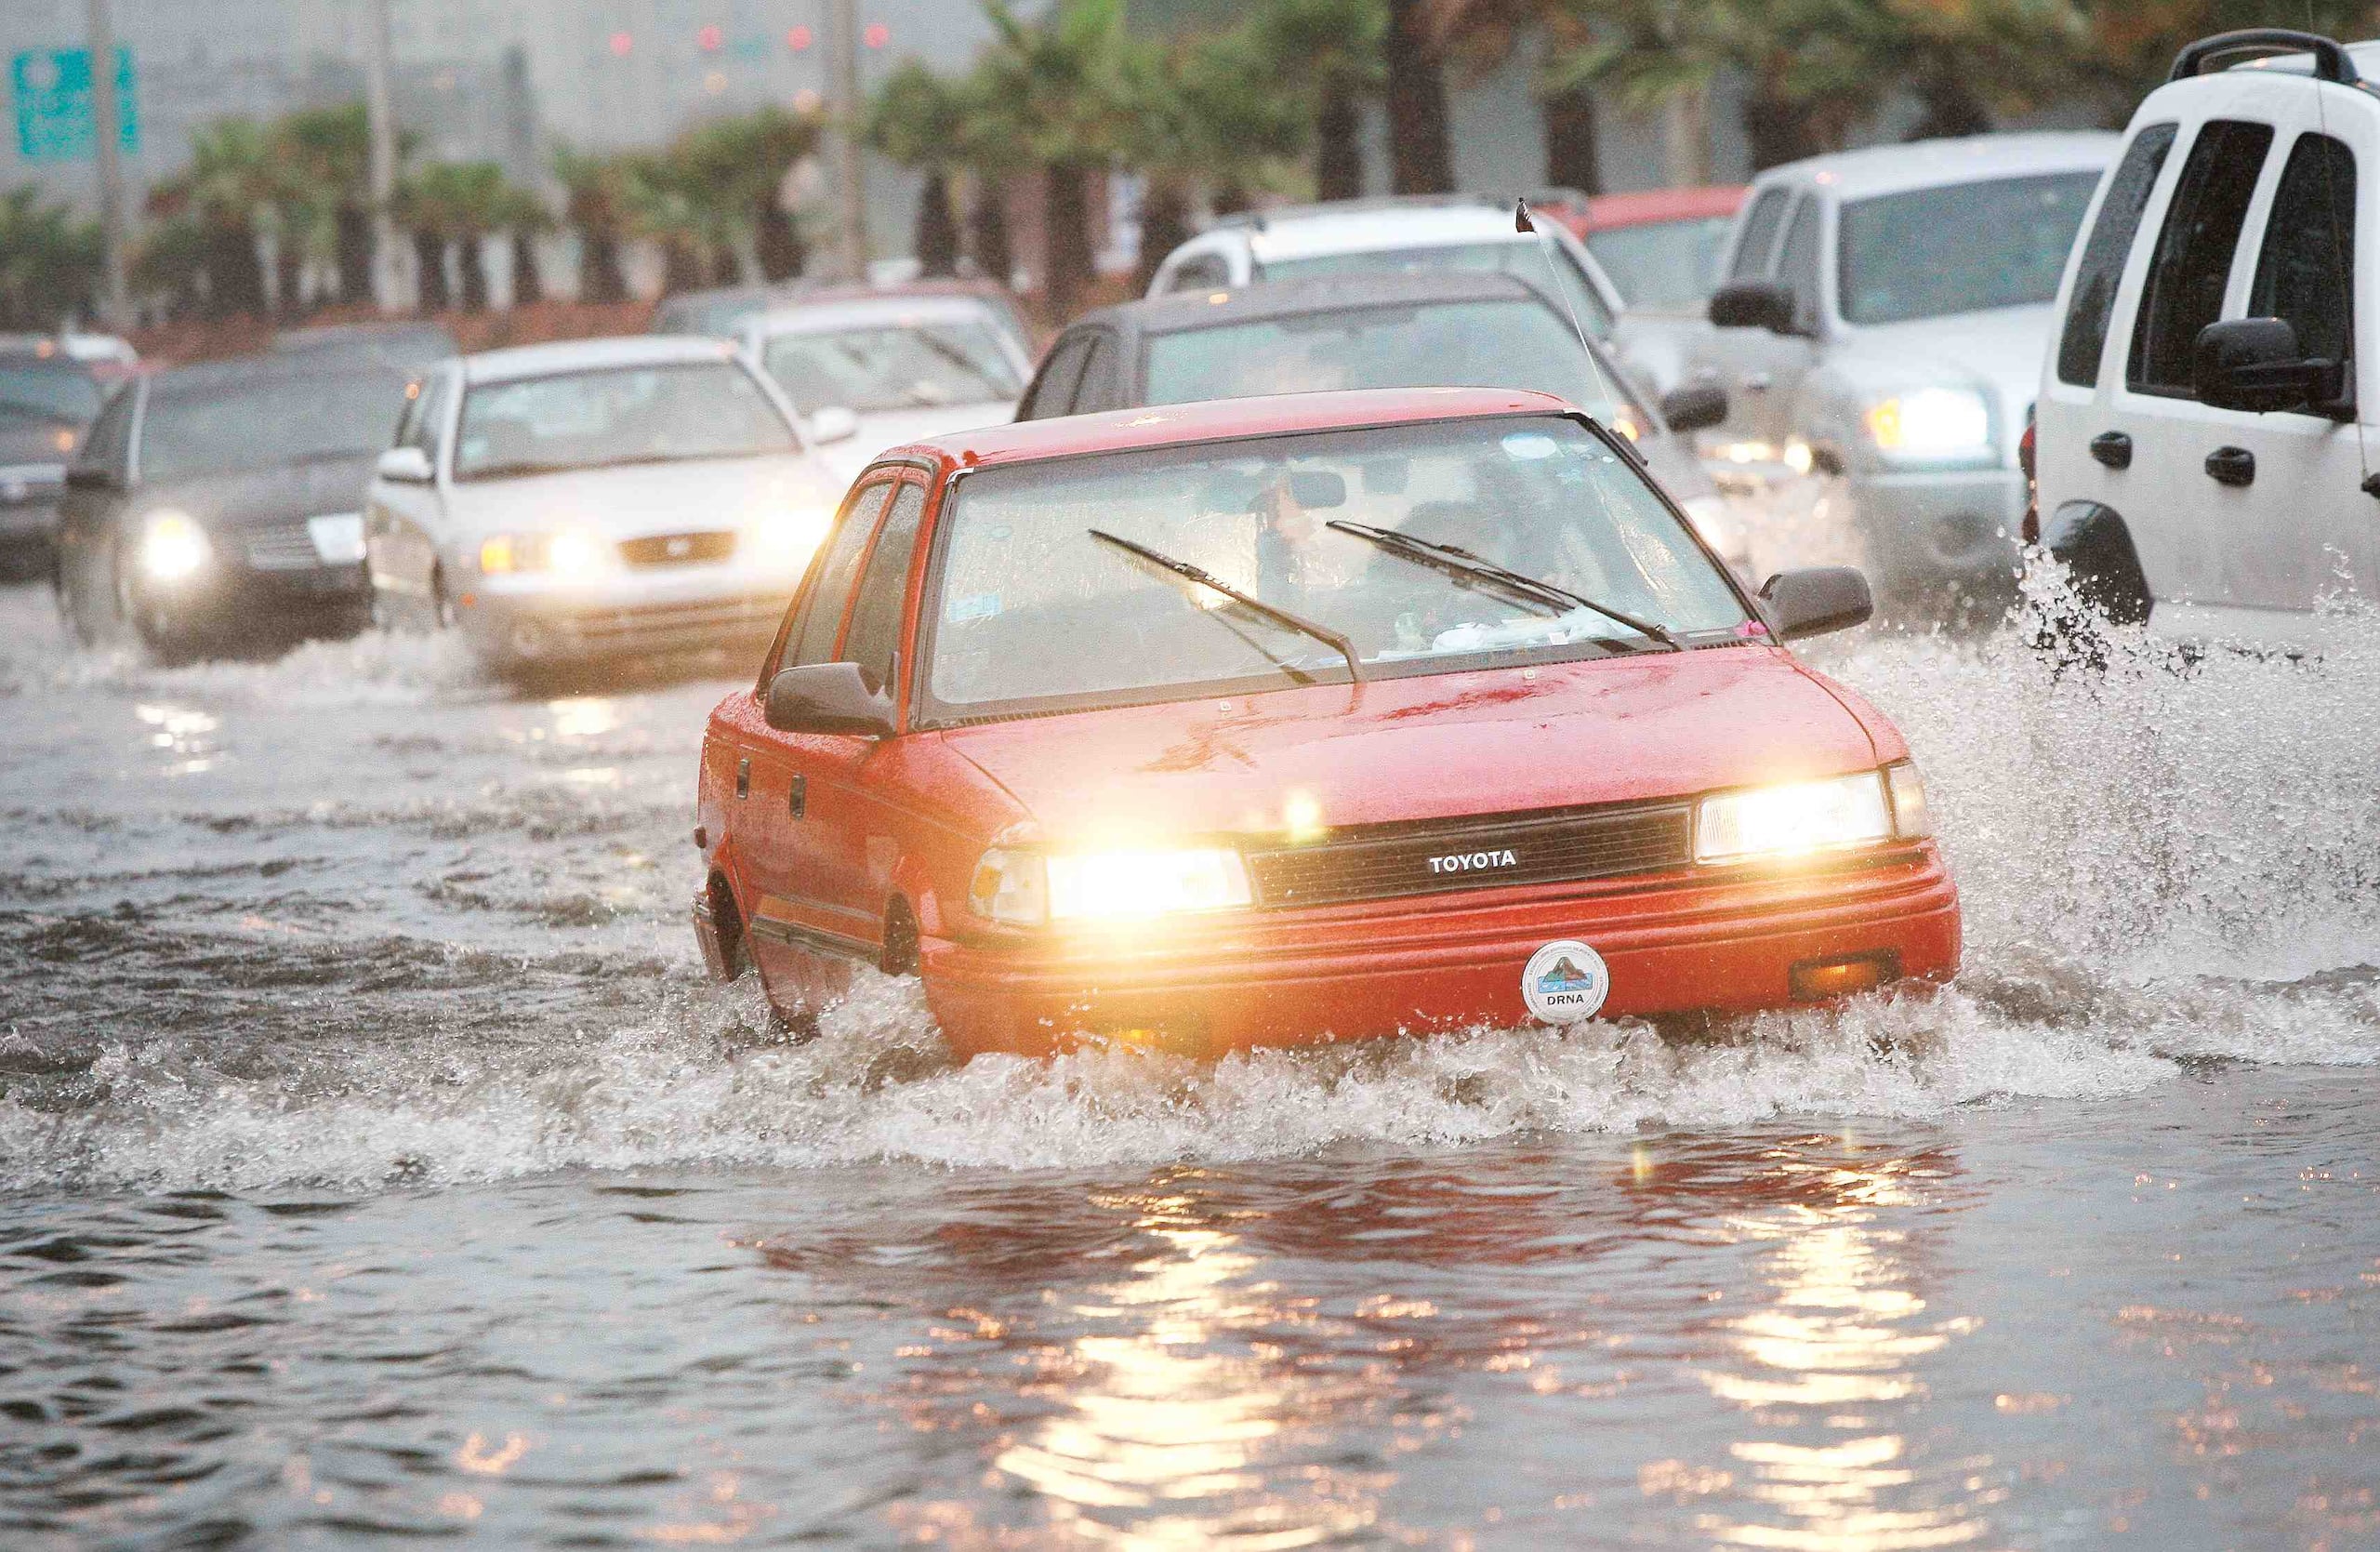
(1565, 982)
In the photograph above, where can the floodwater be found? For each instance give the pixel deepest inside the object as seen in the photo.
(375, 1161)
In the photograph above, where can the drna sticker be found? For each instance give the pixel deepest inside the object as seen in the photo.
(1565, 982)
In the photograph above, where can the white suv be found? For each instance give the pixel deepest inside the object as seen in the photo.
(1411, 234)
(2205, 444)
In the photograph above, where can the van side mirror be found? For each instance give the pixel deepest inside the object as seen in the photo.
(405, 466)
(1812, 601)
(828, 697)
(1754, 304)
(1697, 406)
(833, 423)
(2255, 365)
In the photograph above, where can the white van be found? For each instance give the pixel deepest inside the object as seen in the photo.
(2209, 413)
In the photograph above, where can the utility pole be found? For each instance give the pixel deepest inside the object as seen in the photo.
(115, 308)
(389, 270)
(842, 31)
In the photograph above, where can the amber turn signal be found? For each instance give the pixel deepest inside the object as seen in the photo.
(1817, 980)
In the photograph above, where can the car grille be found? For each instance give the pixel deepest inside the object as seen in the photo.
(677, 548)
(281, 547)
(1379, 862)
(657, 627)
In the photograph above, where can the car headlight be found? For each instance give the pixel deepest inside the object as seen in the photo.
(1029, 889)
(173, 546)
(1800, 818)
(564, 552)
(784, 541)
(1932, 423)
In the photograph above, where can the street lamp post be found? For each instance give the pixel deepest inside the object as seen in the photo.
(380, 116)
(842, 31)
(115, 307)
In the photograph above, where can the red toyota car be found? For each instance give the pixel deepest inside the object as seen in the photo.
(1303, 718)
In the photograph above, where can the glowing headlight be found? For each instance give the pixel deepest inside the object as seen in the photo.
(1028, 889)
(172, 547)
(566, 552)
(1795, 818)
(784, 541)
(1932, 423)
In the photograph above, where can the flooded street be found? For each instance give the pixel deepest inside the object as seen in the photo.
(377, 1159)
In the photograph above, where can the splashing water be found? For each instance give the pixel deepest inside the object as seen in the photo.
(2161, 862)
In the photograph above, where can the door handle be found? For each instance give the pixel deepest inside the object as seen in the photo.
(797, 796)
(744, 777)
(2112, 448)
(1753, 382)
(2231, 465)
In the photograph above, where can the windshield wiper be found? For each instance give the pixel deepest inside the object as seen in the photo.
(1455, 561)
(1205, 578)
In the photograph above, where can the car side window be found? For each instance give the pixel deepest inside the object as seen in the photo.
(1098, 388)
(875, 638)
(2192, 264)
(1204, 271)
(1055, 389)
(819, 616)
(1797, 266)
(426, 417)
(2104, 252)
(1767, 214)
(2306, 273)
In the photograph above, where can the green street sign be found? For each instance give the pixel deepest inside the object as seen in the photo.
(57, 113)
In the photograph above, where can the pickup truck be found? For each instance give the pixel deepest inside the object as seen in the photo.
(1882, 319)
(2206, 437)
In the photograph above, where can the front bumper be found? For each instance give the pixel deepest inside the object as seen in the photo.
(1926, 528)
(1679, 944)
(524, 620)
(30, 496)
(234, 604)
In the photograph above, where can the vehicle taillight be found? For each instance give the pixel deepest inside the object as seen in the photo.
(2031, 529)
(2025, 451)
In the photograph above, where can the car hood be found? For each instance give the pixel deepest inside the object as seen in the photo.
(1442, 746)
(634, 500)
(1999, 350)
(250, 497)
(882, 430)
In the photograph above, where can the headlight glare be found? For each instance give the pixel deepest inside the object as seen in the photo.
(173, 547)
(564, 552)
(785, 540)
(579, 552)
(1932, 423)
(1128, 885)
(1792, 819)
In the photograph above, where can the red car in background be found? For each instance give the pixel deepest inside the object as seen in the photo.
(1661, 247)
(1302, 718)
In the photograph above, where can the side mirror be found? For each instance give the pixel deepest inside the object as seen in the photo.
(2254, 365)
(828, 697)
(89, 476)
(1814, 602)
(1754, 304)
(408, 466)
(1697, 406)
(833, 423)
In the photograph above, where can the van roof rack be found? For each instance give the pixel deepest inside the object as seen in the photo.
(2331, 62)
(1257, 219)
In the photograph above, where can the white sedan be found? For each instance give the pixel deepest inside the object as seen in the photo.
(873, 372)
(594, 500)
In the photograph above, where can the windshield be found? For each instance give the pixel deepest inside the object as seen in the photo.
(912, 365)
(216, 427)
(619, 415)
(1666, 266)
(1033, 611)
(55, 390)
(1534, 260)
(1932, 252)
(1484, 344)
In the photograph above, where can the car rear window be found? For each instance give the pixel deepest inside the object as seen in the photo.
(263, 422)
(62, 391)
(1962, 247)
(1535, 262)
(2192, 266)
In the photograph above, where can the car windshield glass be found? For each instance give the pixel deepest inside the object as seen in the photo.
(1534, 260)
(1962, 248)
(1031, 611)
(1484, 344)
(1666, 266)
(909, 365)
(618, 414)
(213, 426)
(58, 391)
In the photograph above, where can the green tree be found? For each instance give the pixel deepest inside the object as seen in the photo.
(1061, 77)
(1326, 57)
(2130, 44)
(919, 119)
(232, 176)
(596, 206)
(724, 178)
(49, 260)
(462, 204)
(329, 151)
(1421, 154)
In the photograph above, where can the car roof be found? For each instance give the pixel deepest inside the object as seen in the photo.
(1364, 226)
(1645, 207)
(1222, 420)
(1180, 311)
(588, 355)
(811, 317)
(1932, 164)
(213, 377)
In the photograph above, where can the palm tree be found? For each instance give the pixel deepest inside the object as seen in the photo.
(1484, 33)
(918, 120)
(596, 206)
(1201, 112)
(49, 260)
(464, 203)
(728, 174)
(1326, 54)
(1421, 156)
(229, 179)
(330, 149)
(1060, 76)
